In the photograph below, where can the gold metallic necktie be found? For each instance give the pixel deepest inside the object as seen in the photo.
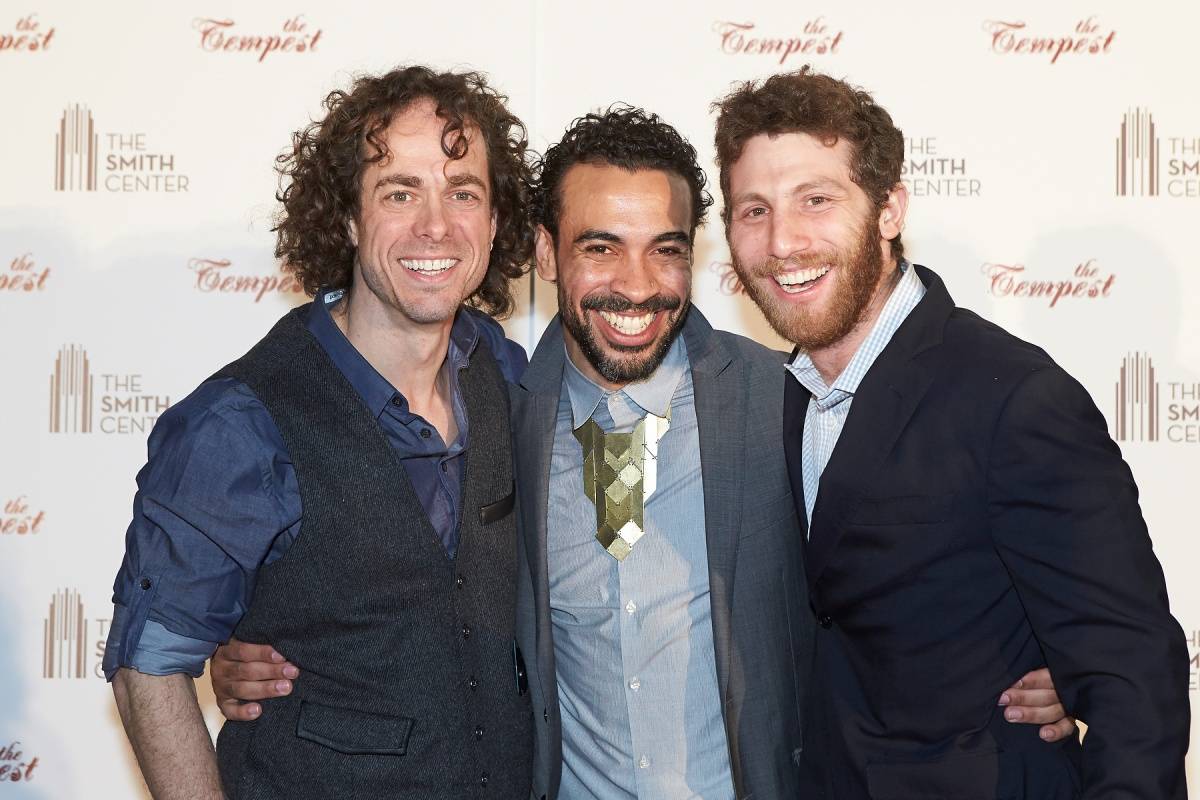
(620, 471)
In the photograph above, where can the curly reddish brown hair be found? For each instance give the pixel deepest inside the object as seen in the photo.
(829, 109)
(320, 176)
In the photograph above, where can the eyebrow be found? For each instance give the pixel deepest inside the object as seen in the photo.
(800, 188)
(593, 234)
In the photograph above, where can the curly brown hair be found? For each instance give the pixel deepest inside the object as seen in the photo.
(805, 101)
(320, 175)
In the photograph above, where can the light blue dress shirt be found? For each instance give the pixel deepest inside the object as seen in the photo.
(830, 405)
(633, 639)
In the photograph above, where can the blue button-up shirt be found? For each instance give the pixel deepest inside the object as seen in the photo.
(830, 405)
(218, 497)
(633, 639)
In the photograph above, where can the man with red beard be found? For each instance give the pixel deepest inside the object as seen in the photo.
(966, 515)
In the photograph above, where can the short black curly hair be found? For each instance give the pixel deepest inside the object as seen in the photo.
(622, 136)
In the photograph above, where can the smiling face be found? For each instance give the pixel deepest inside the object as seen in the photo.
(425, 225)
(623, 265)
(807, 242)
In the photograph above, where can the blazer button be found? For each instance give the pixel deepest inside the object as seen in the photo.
(546, 714)
(483, 779)
(478, 731)
(459, 581)
(466, 631)
(825, 621)
(474, 684)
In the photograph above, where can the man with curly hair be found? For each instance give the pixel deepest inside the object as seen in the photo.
(967, 516)
(344, 491)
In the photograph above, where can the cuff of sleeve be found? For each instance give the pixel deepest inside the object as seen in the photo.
(157, 650)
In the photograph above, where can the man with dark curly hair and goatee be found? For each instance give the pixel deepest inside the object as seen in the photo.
(344, 491)
(967, 516)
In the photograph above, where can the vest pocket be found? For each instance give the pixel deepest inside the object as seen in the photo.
(499, 509)
(353, 732)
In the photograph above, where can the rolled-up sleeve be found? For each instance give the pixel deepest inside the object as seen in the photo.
(216, 499)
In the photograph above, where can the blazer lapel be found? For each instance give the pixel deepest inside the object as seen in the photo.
(883, 404)
(535, 409)
(795, 407)
(719, 396)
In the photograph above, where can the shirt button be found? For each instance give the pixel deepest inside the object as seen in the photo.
(397, 402)
(466, 631)
(630, 607)
(145, 584)
(478, 731)
(644, 762)
(474, 684)
(426, 433)
(825, 621)
(635, 684)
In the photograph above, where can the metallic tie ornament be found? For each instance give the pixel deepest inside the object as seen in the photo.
(620, 471)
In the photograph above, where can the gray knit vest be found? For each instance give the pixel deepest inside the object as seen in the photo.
(407, 685)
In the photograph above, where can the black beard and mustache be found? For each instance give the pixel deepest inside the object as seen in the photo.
(633, 367)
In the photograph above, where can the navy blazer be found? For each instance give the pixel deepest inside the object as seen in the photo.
(974, 522)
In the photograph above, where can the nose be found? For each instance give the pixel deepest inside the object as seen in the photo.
(431, 221)
(790, 233)
(635, 280)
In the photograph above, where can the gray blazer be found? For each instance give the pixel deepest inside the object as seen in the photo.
(762, 625)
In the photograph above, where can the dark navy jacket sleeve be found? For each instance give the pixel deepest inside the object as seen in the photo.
(216, 499)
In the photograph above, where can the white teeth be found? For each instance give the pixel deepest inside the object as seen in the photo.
(630, 326)
(429, 266)
(792, 282)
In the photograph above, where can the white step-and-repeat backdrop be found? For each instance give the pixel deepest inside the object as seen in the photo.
(1053, 164)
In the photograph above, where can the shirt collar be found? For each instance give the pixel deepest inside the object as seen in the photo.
(905, 295)
(653, 395)
(374, 389)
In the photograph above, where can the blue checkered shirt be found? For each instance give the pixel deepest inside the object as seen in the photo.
(830, 405)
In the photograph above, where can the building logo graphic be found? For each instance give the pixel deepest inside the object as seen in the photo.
(1138, 151)
(1137, 395)
(91, 160)
(71, 388)
(64, 651)
(76, 151)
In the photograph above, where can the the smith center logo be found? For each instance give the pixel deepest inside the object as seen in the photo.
(1150, 409)
(83, 400)
(931, 169)
(72, 642)
(1145, 156)
(88, 159)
